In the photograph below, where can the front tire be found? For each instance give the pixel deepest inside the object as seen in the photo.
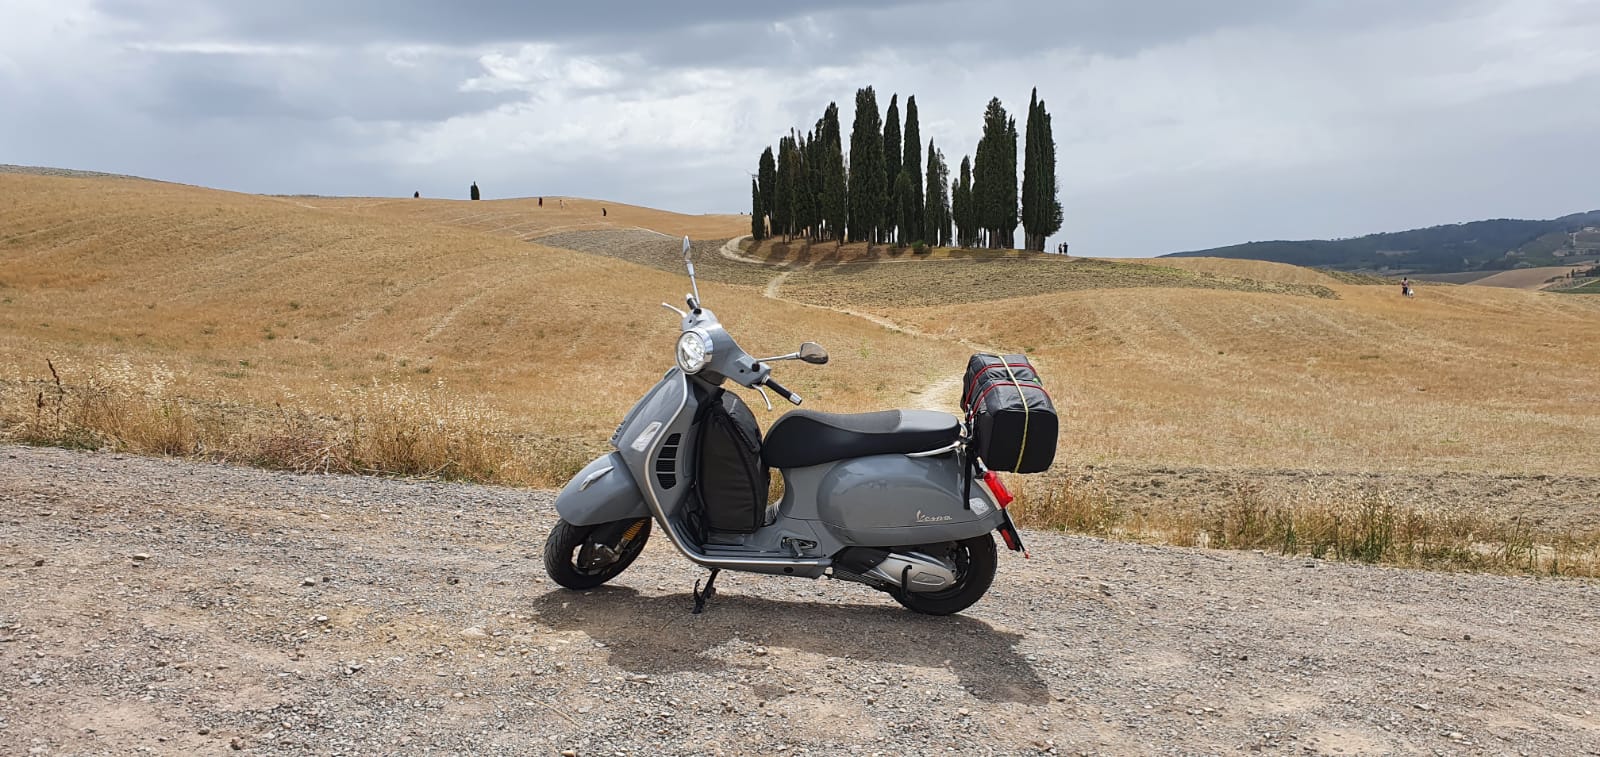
(583, 557)
(975, 562)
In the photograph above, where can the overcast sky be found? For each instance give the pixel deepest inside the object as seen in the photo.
(1179, 124)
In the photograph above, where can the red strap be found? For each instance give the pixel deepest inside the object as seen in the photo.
(974, 385)
(971, 409)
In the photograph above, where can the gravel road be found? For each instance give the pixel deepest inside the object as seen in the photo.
(172, 607)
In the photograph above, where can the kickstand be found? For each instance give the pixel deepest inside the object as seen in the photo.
(701, 595)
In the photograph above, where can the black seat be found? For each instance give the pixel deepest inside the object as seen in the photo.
(805, 437)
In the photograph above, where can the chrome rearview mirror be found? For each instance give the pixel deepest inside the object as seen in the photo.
(688, 262)
(811, 352)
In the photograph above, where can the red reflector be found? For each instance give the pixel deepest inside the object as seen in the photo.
(1000, 494)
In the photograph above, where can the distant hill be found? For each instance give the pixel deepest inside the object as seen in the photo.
(1495, 245)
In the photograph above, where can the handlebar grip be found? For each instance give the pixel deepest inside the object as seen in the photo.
(782, 392)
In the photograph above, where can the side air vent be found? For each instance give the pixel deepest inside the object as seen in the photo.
(667, 462)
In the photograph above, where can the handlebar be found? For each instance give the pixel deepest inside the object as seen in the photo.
(782, 392)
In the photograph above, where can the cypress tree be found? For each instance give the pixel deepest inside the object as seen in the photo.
(758, 228)
(1008, 188)
(1041, 208)
(803, 200)
(964, 206)
(868, 193)
(905, 193)
(936, 209)
(783, 191)
(767, 174)
(994, 177)
(911, 164)
(891, 165)
(835, 200)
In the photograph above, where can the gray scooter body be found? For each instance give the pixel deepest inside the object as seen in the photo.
(876, 501)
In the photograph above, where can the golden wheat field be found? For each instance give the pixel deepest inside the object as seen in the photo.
(501, 340)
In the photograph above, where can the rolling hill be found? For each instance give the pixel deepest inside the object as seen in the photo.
(405, 335)
(1500, 244)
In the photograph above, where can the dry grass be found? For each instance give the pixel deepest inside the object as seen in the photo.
(1526, 278)
(249, 304)
(1367, 526)
(1258, 270)
(1458, 378)
(876, 286)
(524, 218)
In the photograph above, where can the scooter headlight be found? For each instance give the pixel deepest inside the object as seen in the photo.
(694, 351)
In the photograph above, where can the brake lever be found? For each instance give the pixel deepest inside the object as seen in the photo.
(765, 398)
(680, 313)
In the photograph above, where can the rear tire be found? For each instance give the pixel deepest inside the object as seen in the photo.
(975, 560)
(583, 557)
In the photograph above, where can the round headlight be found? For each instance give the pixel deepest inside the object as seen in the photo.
(694, 351)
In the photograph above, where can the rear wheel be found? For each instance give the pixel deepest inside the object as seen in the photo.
(974, 561)
(583, 557)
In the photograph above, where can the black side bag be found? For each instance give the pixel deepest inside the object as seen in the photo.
(1012, 420)
(731, 479)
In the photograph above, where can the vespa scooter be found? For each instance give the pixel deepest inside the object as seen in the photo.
(888, 499)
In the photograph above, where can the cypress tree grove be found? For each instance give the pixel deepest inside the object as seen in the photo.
(891, 166)
(911, 164)
(868, 190)
(758, 226)
(767, 174)
(1041, 208)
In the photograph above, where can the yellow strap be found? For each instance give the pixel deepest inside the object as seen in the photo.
(1024, 398)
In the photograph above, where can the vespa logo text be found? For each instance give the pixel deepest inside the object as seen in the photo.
(933, 518)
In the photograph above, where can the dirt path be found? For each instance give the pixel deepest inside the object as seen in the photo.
(178, 608)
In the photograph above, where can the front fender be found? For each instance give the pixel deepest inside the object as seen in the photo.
(597, 495)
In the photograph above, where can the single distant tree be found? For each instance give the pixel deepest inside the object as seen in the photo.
(767, 175)
(1041, 207)
(868, 187)
(758, 226)
(911, 164)
(891, 165)
(474, 191)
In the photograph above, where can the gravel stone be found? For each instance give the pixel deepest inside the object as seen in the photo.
(1089, 647)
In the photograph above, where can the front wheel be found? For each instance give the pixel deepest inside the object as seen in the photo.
(583, 557)
(974, 560)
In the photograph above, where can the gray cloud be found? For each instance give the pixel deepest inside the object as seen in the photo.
(1179, 125)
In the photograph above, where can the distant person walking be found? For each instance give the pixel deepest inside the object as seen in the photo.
(1405, 287)
(541, 202)
(475, 194)
(602, 212)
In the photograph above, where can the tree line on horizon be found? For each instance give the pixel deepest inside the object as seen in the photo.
(886, 196)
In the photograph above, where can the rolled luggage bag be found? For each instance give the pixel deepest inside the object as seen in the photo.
(1011, 418)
